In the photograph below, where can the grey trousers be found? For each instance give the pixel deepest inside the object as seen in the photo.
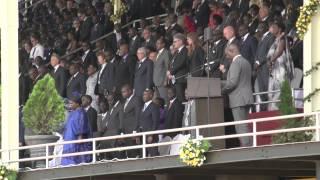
(241, 113)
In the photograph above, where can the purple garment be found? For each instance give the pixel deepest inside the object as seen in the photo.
(162, 118)
(77, 124)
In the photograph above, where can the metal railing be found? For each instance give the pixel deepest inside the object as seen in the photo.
(275, 101)
(143, 146)
(109, 34)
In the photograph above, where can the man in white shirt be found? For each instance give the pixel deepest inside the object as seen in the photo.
(37, 48)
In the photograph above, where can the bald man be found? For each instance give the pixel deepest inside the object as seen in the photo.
(238, 87)
(229, 34)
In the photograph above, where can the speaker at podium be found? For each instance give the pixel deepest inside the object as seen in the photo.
(205, 106)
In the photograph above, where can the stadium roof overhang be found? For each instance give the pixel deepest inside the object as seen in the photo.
(282, 160)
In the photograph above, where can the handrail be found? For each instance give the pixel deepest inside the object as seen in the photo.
(166, 131)
(254, 134)
(33, 4)
(110, 33)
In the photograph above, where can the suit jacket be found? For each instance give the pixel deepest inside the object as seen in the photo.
(89, 59)
(112, 42)
(92, 117)
(238, 85)
(231, 8)
(143, 77)
(134, 45)
(97, 31)
(85, 29)
(216, 55)
(179, 65)
(61, 78)
(197, 59)
(150, 44)
(202, 15)
(107, 78)
(160, 68)
(253, 25)
(149, 118)
(125, 71)
(261, 57)
(25, 88)
(248, 48)
(171, 31)
(243, 6)
(263, 48)
(76, 84)
(129, 115)
(174, 115)
(111, 122)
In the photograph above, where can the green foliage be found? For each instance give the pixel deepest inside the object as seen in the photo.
(8, 174)
(286, 107)
(44, 111)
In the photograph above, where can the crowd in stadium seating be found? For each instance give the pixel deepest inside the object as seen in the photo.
(135, 79)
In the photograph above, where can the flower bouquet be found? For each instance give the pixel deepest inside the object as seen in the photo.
(192, 152)
(7, 174)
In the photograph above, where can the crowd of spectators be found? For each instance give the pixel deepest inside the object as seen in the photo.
(135, 79)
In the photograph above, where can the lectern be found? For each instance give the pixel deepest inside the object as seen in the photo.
(206, 107)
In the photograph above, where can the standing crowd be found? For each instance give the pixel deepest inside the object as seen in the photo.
(135, 79)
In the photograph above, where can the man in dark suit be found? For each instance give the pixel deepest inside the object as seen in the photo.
(97, 30)
(149, 41)
(135, 41)
(260, 65)
(88, 56)
(248, 44)
(243, 6)
(172, 28)
(174, 112)
(229, 6)
(91, 113)
(77, 81)
(59, 74)
(264, 13)
(85, 27)
(149, 120)
(125, 68)
(229, 33)
(106, 74)
(201, 13)
(110, 126)
(179, 66)
(216, 53)
(143, 77)
(25, 88)
(114, 39)
(129, 117)
(238, 87)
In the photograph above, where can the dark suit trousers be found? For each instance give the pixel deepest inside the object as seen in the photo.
(180, 91)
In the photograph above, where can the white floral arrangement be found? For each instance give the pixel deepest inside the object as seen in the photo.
(193, 151)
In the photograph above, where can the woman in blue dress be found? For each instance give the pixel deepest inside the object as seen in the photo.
(77, 127)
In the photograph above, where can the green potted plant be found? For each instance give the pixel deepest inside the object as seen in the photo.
(43, 114)
(286, 107)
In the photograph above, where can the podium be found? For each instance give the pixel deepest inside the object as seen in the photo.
(206, 106)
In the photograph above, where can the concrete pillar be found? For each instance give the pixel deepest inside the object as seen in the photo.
(9, 79)
(311, 55)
